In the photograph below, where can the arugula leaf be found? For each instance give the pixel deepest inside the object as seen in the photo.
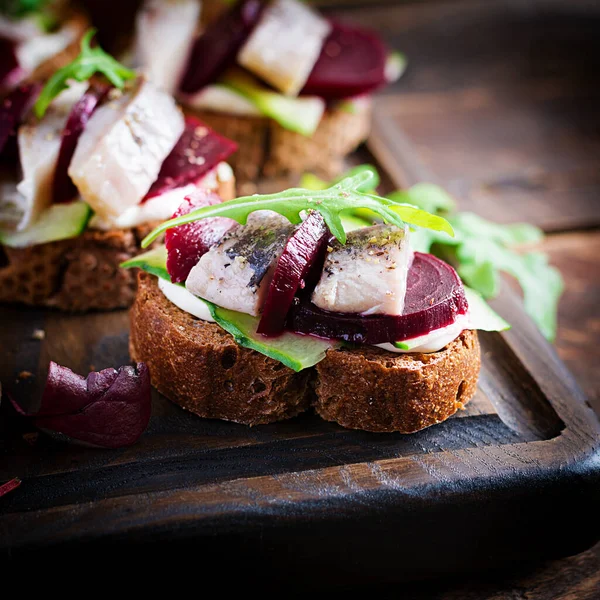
(330, 202)
(312, 182)
(89, 62)
(427, 196)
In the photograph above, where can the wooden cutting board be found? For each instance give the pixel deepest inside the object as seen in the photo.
(515, 476)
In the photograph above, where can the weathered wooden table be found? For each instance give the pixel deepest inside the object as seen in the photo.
(500, 104)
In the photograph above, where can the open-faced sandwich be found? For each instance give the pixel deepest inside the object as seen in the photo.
(102, 155)
(259, 307)
(36, 38)
(291, 87)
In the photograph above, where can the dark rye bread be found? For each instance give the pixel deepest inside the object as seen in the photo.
(200, 367)
(79, 274)
(397, 392)
(267, 149)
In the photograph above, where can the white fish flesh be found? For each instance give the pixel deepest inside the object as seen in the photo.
(123, 146)
(39, 145)
(237, 272)
(367, 275)
(165, 33)
(285, 45)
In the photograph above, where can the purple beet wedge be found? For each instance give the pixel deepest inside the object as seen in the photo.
(13, 108)
(352, 62)
(303, 253)
(217, 48)
(187, 243)
(198, 150)
(63, 189)
(10, 71)
(434, 298)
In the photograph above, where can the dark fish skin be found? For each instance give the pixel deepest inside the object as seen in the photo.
(259, 244)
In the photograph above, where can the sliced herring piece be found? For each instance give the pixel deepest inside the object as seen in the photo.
(285, 45)
(237, 272)
(367, 275)
(165, 32)
(121, 151)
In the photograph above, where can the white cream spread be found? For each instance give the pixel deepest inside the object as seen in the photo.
(434, 340)
(160, 208)
(185, 300)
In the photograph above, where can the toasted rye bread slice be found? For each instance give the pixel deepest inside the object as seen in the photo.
(383, 391)
(200, 367)
(267, 149)
(79, 274)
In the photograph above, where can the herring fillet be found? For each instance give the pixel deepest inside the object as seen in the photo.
(285, 45)
(368, 275)
(39, 145)
(165, 33)
(123, 146)
(236, 273)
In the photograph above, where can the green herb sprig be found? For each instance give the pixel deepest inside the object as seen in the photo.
(89, 62)
(345, 195)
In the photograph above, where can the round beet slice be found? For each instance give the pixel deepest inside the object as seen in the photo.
(63, 189)
(187, 243)
(198, 150)
(217, 48)
(352, 62)
(14, 107)
(434, 298)
(304, 251)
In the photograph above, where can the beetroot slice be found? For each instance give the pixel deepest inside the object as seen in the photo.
(352, 62)
(304, 251)
(14, 107)
(198, 150)
(187, 243)
(434, 297)
(110, 408)
(217, 48)
(63, 189)
(10, 71)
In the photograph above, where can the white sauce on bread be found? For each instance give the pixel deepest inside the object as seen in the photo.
(185, 300)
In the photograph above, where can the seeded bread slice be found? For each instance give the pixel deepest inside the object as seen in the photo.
(79, 274)
(267, 149)
(200, 367)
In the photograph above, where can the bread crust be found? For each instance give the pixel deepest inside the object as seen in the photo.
(267, 149)
(200, 367)
(386, 392)
(79, 274)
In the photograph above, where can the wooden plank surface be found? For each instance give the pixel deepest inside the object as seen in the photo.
(497, 105)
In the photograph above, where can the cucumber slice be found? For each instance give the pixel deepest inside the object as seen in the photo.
(295, 351)
(395, 66)
(301, 115)
(154, 262)
(59, 222)
(481, 314)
